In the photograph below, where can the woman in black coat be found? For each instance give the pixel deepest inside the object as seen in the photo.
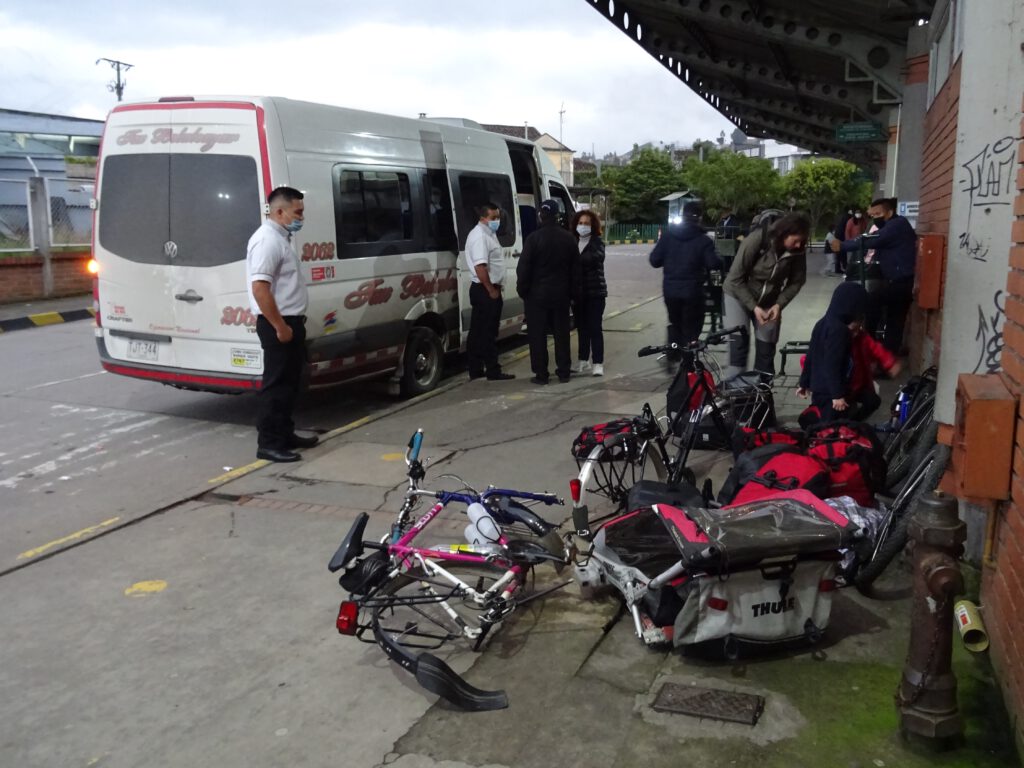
(588, 305)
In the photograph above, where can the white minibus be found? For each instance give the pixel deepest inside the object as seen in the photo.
(182, 185)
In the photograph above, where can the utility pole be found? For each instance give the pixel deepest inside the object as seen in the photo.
(561, 151)
(118, 85)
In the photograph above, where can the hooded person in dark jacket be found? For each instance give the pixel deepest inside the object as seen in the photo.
(686, 255)
(547, 280)
(828, 365)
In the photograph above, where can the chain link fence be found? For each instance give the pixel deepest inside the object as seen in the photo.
(70, 218)
(15, 228)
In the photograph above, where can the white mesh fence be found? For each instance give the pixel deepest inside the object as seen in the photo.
(15, 227)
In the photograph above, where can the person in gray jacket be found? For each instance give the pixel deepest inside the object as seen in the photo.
(769, 270)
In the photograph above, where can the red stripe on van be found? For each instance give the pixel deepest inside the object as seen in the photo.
(261, 129)
(185, 105)
(183, 378)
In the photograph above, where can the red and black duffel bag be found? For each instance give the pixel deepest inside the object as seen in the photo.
(773, 469)
(853, 454)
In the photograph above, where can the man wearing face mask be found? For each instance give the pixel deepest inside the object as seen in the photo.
(487, 269)
(895, 246)
(278, 298)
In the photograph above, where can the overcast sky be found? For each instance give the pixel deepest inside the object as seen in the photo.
(503, 61)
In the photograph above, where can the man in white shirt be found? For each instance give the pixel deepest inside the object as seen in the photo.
(487, 268)
(278, 298)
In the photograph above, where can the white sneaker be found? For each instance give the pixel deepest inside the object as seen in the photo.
(581, 366)
(598, 369)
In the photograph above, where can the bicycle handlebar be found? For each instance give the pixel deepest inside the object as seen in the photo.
(412, 453)
(694, 346)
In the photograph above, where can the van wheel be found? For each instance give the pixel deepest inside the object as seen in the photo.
(422, 362)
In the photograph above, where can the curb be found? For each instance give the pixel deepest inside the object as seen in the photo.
(630, 242)
(45, 318)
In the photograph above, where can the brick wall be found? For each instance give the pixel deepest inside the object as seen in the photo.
(1002, 589)
(21, 277)
(937, 159)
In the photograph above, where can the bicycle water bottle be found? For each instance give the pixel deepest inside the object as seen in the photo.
(482, 529)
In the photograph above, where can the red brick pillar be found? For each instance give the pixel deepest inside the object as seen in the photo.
(1002, 591)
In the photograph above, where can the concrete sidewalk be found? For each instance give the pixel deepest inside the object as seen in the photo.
(580, 684)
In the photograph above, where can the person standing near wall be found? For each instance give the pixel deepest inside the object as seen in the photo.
(486, 263)
(547, 280)
(588, 307)
(686, 256)
(767, 274)
(895, 251)
(278, 297)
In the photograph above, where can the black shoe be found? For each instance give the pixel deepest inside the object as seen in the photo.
(275, 454)
(298, 441)
(475, 376)
(500, 376)
(563, 379)
(539, 380)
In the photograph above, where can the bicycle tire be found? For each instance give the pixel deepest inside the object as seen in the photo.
(408, 608)
(918, 429)
(893, 537)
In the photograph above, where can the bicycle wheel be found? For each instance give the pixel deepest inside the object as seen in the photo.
(917, 430)
(610, 473)
(892, 537)
(423, 612)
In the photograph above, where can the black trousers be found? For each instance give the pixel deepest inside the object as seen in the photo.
(283, 366)
(889, 306)
(589, 312)
(482, 342)
(685, 319)
(542, 319)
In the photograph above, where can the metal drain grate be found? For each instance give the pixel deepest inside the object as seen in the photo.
(692, 700)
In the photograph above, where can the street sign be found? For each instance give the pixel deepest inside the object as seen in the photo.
(864, 131)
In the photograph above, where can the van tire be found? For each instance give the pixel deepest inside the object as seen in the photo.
(422, 362)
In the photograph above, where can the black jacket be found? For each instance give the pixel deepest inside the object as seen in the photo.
(686, 254)
(549, 267)
(895, 246)
(828, 364)
(593, 284)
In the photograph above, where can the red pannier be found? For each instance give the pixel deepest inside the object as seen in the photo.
(595, 435)
(853, 455)
(748, 438)
(773, 469)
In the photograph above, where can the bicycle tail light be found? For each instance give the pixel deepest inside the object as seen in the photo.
(348, 613)
(575, 489)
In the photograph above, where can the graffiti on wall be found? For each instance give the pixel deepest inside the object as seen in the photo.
(988, 180)
(990, 335)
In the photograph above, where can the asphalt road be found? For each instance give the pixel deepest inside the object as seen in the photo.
(81, 449)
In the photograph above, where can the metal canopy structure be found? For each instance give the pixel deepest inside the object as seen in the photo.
(790, 70)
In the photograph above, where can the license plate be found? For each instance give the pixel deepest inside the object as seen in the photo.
(246, 358)
(143, 350)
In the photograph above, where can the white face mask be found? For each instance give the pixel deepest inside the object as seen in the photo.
(583, 230)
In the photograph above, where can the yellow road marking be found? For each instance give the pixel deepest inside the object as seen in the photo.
(393, 456)
(141, 588)
(46, 318)
(238, 471)
(76, 535)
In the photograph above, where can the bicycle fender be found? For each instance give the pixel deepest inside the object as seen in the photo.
(514, 512)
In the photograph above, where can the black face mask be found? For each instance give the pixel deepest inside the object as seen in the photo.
(878, 222)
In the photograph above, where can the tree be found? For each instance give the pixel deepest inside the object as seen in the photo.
(638, 186)
(730, 180)
(824, 186)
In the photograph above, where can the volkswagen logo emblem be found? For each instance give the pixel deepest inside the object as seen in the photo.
(170, 249)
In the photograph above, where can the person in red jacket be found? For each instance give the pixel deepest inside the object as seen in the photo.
(868, 355)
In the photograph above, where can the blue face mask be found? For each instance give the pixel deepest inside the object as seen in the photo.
(494, 225)
(294, 226)
(583, 230)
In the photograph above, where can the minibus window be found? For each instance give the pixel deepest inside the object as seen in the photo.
(207, 205)
(565, 202)
(475, 189)
(440, 222)
(375, 207)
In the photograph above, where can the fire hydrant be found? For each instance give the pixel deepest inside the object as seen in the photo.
(927, 694)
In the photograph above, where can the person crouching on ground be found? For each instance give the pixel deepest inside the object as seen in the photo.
(838, 369)
(686, 255)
